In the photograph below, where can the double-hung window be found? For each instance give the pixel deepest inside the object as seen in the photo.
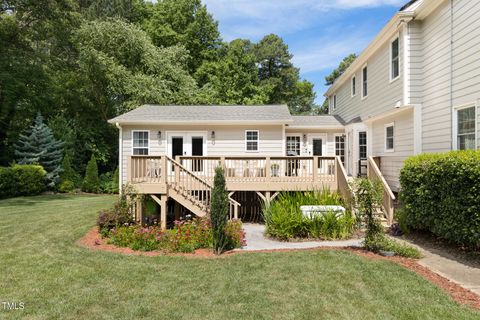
(466, 128)
(364, 82)
(293, 145)
(395, 60)
(389, 137)
(251, 140)
(333, 102)
(140, 142)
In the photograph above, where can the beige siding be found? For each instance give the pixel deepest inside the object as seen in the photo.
(383, 95)
(416, 59)
(229, 140)
(392, 162)
(451, 73)
(328, 145)
(436, 110)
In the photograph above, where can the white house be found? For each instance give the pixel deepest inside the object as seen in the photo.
(170, 153)
(415, 88)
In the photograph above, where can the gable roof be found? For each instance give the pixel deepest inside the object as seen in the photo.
(155, 114)
(324, 121)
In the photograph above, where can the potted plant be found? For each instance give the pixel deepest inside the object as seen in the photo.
(275, 167)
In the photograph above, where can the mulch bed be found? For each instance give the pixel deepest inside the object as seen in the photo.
(94, 241)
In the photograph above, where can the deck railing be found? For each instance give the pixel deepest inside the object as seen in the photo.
(388, 196)
(263, 169)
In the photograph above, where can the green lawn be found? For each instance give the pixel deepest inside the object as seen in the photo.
(41, 266)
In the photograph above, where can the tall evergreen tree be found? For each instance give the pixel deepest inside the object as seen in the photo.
(219, 211)
(91, 183)
(38, 146)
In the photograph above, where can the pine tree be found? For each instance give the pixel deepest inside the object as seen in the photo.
(37, 145)
(91, 183)
(219, 211)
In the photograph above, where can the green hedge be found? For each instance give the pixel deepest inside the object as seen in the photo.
(21, 180)
(441, 194)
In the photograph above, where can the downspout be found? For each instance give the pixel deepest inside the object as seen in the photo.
(120, 158)
(452, 144)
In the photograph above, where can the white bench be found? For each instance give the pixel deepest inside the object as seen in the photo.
(311, 211)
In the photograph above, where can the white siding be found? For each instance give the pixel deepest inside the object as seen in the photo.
(392, 162)
(416, 59)
(383, 95)
(436, 110)
(306, 148)
(229, 140)
(451, 72)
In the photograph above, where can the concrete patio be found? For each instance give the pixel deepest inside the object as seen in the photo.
(256, 240)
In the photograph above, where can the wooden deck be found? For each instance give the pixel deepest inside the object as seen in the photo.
(150, 174)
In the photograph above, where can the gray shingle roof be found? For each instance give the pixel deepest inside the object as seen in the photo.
(316, 121)
(171, 113)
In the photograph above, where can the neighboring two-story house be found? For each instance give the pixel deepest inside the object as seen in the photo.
(415, 88)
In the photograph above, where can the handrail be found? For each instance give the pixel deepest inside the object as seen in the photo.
(175, 163)
(388, 196)
(379, 175)
(206, 201)
(342, 181)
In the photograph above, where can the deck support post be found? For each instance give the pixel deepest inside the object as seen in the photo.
(163, 212)
(162, 201)
(139, 215)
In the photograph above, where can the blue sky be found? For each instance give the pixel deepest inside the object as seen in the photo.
(319, 33)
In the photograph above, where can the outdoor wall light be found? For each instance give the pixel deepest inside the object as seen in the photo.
(212, 135)
(159, 135)
(304, 138)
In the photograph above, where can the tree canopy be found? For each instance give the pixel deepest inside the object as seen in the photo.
(81, 62)
(337, 72)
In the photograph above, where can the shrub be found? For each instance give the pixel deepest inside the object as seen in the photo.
(69, 179)
(66, 186)
(284, 220)
(380, 243)
(91, 183)
(119, 214)
(441, 194)
(235, 234)
(109, 182)
(22, 180)
(219, 211)
(368, 197)
(29, 179)
(186, 236)
(7, 182)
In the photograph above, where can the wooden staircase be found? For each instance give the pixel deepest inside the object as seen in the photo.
(389, 199)
(191, 191)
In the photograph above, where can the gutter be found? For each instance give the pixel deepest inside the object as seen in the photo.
(201, 122)
(120, 158)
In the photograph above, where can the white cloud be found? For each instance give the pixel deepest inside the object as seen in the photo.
(255, 18)
(325, 54)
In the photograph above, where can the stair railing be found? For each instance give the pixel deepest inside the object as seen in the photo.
(388, 196)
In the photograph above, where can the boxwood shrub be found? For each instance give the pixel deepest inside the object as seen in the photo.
(441, 194)
(21, 180)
